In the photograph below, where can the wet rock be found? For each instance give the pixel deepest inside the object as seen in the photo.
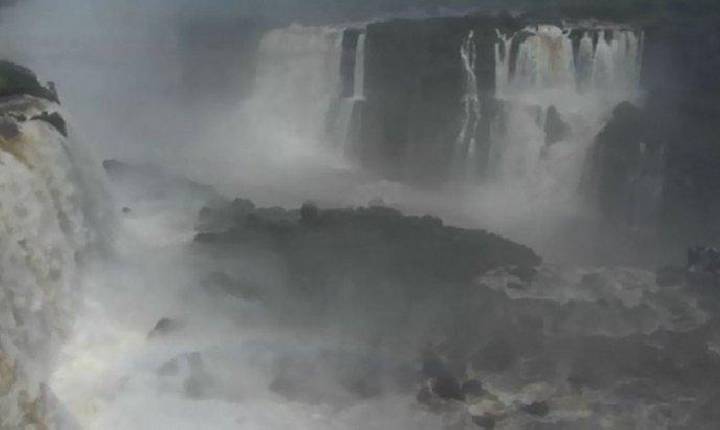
(516, 286)
(487, 413)
(309, 213)
(16, 80)
(556, 129)
(447, 387)
(484, 421)
(424, 396)
(8, 128)
(473, 388)
(539, 409)
(164, 327)
(54, 119)
(525, 273)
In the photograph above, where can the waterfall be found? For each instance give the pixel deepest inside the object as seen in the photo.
(44, 230)
(553, 101)
(465, 145)
(344, 129)
(359, 81)
(297, 83)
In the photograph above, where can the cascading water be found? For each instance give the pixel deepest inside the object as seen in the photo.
(298, 77)
(359, 78)
(466, 145)
(44, 230)
(553, 100)
(343, 128)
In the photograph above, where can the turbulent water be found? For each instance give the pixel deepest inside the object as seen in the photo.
(581, 84)
(158, 341)
(298, 79)
(45, 229)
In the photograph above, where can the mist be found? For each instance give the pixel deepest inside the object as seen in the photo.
(360, 215)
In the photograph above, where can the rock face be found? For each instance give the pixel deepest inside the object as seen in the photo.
(45, 228)
(655, 165)
(625, 170)
(415, 87)
(680, 75)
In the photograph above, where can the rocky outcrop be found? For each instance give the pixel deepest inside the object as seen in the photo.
(555, 128)
(624, 170)
(374, 266)
(16, 80)
(681, 60)
(415, 87)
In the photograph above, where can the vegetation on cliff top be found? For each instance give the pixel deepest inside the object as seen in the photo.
(372, 248)
(17, 80)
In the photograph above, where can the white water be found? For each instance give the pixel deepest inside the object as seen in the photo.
(344, 129)
(298, 78)
(526, 176)
(359, 90)
(465, 145)
(44, 232)
(110, 374)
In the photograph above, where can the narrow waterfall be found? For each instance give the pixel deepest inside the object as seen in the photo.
(466, 144)
(553, 100)
(343, 130)
(359, 78)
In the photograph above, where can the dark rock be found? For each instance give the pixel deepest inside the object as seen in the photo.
(703, 259)
(424, 396)
(164, 327)
(54, 119)
(126, 210)
(414, 89)
(516, 286)
(473, 388)
(309, 213)
(433, 366)
(447, 387)
(525, 273)
(8, 129)
(19, 117)
(539, 409)
(556, 129)
(16, 80)
(485, 421)
(621, 165)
